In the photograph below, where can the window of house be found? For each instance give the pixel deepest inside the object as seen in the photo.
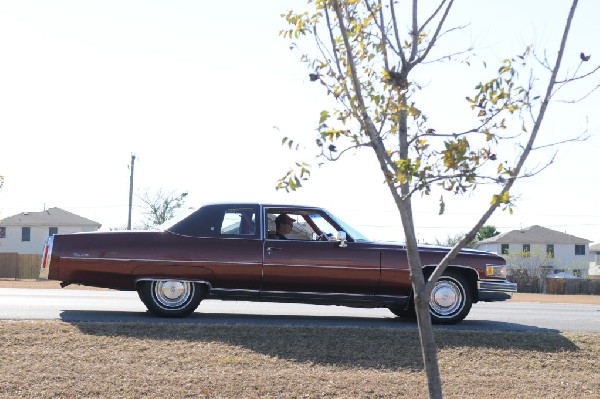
(52, 231)
(504, 249)
(25, 233)
(526, 249)
(579, 249)
(3, 232)
(550, 250)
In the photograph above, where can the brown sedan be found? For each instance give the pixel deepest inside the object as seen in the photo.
(277, 253)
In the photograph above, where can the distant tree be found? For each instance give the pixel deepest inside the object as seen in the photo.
(450, 240)
(530, 262)
(161, 206)
(371, 58)
(530, 268)
(487, 231)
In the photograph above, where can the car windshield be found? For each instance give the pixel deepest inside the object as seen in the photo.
(351, 231)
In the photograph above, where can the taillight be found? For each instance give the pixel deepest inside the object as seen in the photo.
(45, 266)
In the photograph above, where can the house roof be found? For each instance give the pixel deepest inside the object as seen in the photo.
(51, 217)
(595, 248)
(535, 235)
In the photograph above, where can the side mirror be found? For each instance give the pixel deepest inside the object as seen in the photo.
(341, 238)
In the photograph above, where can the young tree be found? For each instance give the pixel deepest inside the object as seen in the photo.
(530, 268)
(368, 64)
(160, 206)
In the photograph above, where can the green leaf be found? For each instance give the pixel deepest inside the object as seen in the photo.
(324, 116)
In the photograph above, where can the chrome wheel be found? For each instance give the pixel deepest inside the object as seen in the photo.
(450, 300)
(170, 298)
(173, 294)
(446, 298)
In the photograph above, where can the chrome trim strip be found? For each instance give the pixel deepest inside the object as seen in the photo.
(497, 286)
(174, 279)
(160, 260)
(241, 237)
(234, 290)
(334, 294)
(314, 293)
(266, 294)
(374, 268)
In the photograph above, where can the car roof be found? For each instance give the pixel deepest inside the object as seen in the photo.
(264, 205)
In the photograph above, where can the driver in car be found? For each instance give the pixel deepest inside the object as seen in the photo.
(283, 225)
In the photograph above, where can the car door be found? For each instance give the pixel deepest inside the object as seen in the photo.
(305, 266)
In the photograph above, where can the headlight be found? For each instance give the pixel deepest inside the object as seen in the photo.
(495, 271)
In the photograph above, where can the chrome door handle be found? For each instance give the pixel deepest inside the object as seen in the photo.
(271, 249)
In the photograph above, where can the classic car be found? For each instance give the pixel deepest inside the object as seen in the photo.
(277, 253)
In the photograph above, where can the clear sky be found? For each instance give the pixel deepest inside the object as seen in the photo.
(202, 93)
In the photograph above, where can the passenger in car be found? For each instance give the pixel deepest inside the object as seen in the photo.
(283, 226)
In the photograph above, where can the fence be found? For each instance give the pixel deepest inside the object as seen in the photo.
(563, 286)
(19, 266)
(558, 286)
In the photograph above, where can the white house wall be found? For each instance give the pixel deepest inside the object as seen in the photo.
(13, 243)
(595, 265)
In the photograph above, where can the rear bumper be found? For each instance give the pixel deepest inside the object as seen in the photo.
(495, 290)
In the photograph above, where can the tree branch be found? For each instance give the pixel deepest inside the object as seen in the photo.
(397, 35)
(436, 34)
(517, 170)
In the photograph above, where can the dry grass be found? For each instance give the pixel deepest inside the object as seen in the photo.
(53, 359)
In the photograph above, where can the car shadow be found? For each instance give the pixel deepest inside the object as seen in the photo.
(289, 321)
(356, 342)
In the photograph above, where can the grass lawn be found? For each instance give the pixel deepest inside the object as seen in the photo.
(53, 359)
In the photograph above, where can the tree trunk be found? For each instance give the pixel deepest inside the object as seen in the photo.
(428, 347)
(421, 297)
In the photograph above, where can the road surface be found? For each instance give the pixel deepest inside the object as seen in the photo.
(115, 306)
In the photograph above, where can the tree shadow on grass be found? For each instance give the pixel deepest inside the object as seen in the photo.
(354, 342)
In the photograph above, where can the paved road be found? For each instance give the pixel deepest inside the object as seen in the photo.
(89, 305)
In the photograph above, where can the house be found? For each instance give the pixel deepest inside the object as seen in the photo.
(560, 251)
(595, 264)
(27, 232)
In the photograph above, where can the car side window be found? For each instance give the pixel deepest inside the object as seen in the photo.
(306, 225)
(219, 221)
(238, 222)
(323, 225)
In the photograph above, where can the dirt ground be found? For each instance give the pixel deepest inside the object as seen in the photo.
(519, 297)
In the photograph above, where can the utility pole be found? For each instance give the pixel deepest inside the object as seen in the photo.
(130, 191)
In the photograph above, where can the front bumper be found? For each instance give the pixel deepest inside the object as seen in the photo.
(495, 290)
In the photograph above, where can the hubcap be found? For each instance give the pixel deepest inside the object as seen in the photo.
(446, 298)
(171, 293)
